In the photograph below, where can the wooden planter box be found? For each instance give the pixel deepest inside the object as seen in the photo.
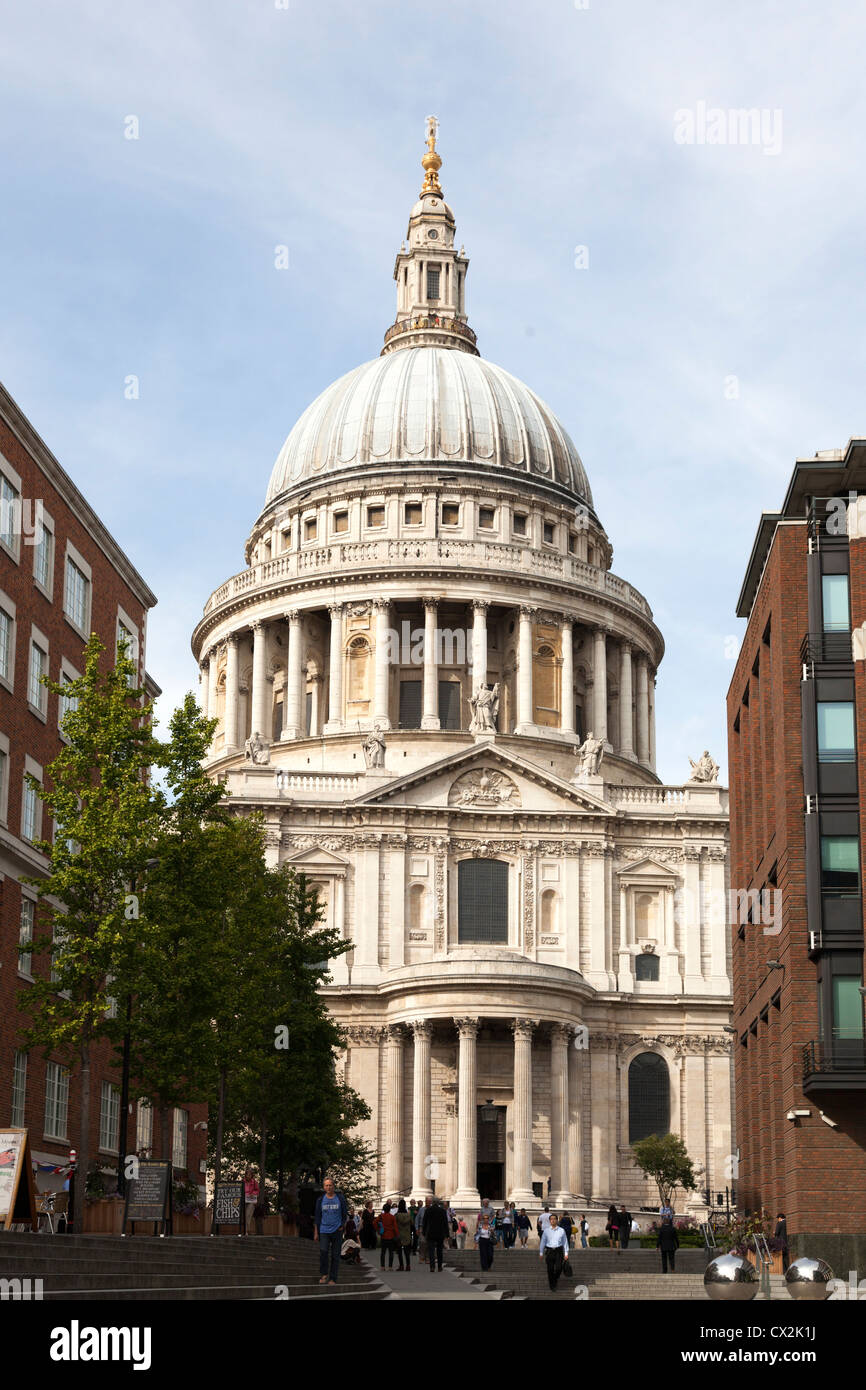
(775, 1267)
(102, 1218)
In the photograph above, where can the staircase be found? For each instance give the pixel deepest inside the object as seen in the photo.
(147, 1268)
(607, 1274)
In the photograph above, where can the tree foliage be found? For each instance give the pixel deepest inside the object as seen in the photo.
(665, 1159)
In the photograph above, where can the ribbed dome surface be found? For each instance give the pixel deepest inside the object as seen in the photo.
(429, 404)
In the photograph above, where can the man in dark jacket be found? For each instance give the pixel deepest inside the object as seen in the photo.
(331, 1213)
(781, 1233)
(668, 1243)
(624, 1227)
(434, 1228)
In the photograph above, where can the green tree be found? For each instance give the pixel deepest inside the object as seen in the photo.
(105, 815)
(665, 1159)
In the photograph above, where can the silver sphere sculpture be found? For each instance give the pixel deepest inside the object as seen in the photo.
(731, 1279)
(808, 1280)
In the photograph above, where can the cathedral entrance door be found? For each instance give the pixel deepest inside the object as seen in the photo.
(491, 1181)
(491, 1151)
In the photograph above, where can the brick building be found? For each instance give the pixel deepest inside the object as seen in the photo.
(797, 744)
(62, 575)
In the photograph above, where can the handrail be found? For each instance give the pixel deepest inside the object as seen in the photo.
(764, 1262)
(709, 1235)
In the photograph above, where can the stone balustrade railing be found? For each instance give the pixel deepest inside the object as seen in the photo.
(691, 796)
(382, 554)
(268, 782)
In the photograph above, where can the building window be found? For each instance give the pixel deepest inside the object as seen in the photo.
(376, 516)
(547, 532)
(126, 637)
(341, 522)
(9, 512)
(143, 1126)
(836, 731)
(834, 593)
(840, 865)
(518, 524)
(310, 529)
(433, 282)
(30, 813)
(648, 1097)
(450, 514)
(413, 513)
(646, 967)
(109, 1117)
(43, 556)
(19, 1089)
(66, 702)
(847, 1007)
(178, 1138)
(572, 543)
(58, 937)
(75, 595)
(7, 629)
(449, 704)
(482, 901)
(4, 783)
(487, 518)
(36, 692)
(25, 936)
(410, 704)
(56, 1101)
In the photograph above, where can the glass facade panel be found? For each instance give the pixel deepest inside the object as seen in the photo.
(840, 863)
(836, 742)
(834, 593)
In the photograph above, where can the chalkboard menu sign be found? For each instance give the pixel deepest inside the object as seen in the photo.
(148, 1196)
(228, 1205)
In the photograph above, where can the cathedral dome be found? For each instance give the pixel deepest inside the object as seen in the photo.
(423, 405)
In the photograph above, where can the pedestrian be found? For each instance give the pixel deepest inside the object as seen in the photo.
(584, 1232)
(404, 1233)
(553, 1249)
(390, 1237)
(612, 1226)
(251, 1196)
(508, 1231)
(462, 1233)
(543, 1221)
(331, 1213)
(434, 1226)
(624, 1227)
(781, 1233)
(666, 1210)
(485, 1239)
(668, 1244)
(452, 1226)
(524, 1226)
(567, 1225)
(368, 1227)
(421, 1242)
(486, 1210)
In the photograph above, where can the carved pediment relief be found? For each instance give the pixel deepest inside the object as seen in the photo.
(484, 786)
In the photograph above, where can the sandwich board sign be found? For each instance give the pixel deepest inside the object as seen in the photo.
(229, 1207)
(17, 1189)
(148, 1195)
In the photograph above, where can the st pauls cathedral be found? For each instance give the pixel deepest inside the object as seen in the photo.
(441, 698)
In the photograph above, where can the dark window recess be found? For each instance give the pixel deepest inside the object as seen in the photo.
(767, 633)
(578, 722)
(646, 968)
(413, 514)
(308, 713)
(433, 283)
(518, 525)
(548, 533)
(449, 704)
(746, 696)
(410, 704)
(486, 518)
(375, 516)
(450, 514)
(756, 665)
(278, 721)
(648, 1097)
(482, 901)
(737, 723)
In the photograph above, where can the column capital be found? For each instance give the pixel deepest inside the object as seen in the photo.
(481, 604)
(293, 615)
(232, 639)
(431, 602)
(395, 1033)
(421, 1027)
(381, 603)
(466, 1027)
(258, 625)
(335, 610)
(523, 1027)
(562, 1033)
(528, 610)
(567, 620)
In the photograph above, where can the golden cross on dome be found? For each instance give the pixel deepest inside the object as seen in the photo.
(432, 162)
(432, 132)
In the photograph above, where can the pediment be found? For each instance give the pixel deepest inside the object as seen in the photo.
(648, 869)
(316, 860)
(485, 779)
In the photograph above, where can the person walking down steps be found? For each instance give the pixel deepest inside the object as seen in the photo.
(485, 1239)
(669, 1244)
(553, 1249)
(434, 1228)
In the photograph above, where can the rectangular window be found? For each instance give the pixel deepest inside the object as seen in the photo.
(433, 282)
(143, 1126)
(109, 1117)
(36, 692)
(450, 514)
(58, 936)
(30, 813)
(341, 522)
(42, 557)
(8, 512)
(413, 514)
(67, 702)
(178, 1140)
(847, 1007)
(547, 532)
(572, 543)
(449, 704)
(375, 516)
(310, 529)
(836, 731)
(56, 1101)
(410, 704)
(487, 518)
(834, 592)
(75, 595)
(5, 646)
(4, 782)
(518, 524)
(25, 936)
(482, 901)
(840, 864)
(19, 1089)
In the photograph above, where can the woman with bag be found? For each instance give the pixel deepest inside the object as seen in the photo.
(612, 1226)
(404, 1232)
(368, 1227)
(389, 1233)
(554, 1249)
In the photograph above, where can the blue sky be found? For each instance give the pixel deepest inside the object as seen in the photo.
(261, 125)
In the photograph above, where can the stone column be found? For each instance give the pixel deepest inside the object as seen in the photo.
(430, 690)
(566, 718)
(315, 679)
(335, 672)
(626, 703)
(652, 723)
(393, 1116)
(381, 686)
(560, 1038)
(292, 726)
(575, 1104)
(422, 1032)
(230, 717)
(262, 723)
(446, 1181)
(521, 1192)
(479, 643)
(599, 685)
(525, 724)
(467, 1136)
(203, 698)
(643, 746)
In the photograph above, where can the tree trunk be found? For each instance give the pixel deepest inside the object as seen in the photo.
(221, 1111)
(83, 1166)
(263, 1163)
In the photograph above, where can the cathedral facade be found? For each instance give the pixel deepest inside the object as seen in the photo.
(442, 700)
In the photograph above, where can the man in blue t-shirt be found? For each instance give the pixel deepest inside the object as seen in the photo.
(331, 1213)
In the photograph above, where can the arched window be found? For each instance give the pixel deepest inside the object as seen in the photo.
(359, 671)
(482, 901)
(646, 967)
(649, 1103)
(646, 910)
(549, 922)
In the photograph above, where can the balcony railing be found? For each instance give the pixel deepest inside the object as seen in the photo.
(838, 1055)
(825, 646)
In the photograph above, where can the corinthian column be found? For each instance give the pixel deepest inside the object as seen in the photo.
(467, 1136)
(525, 723)
(381, 685)
(230, 716)
(335, 671)
(205, 679)
(521, 1192)
(292, 695)
(599, 685)
(560, 1038)
(422, 1032)
(393, 1117)
(566, 717)
(430, 690)
(643, 748)
(479, 643)
(262, 722)
(626, 703)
